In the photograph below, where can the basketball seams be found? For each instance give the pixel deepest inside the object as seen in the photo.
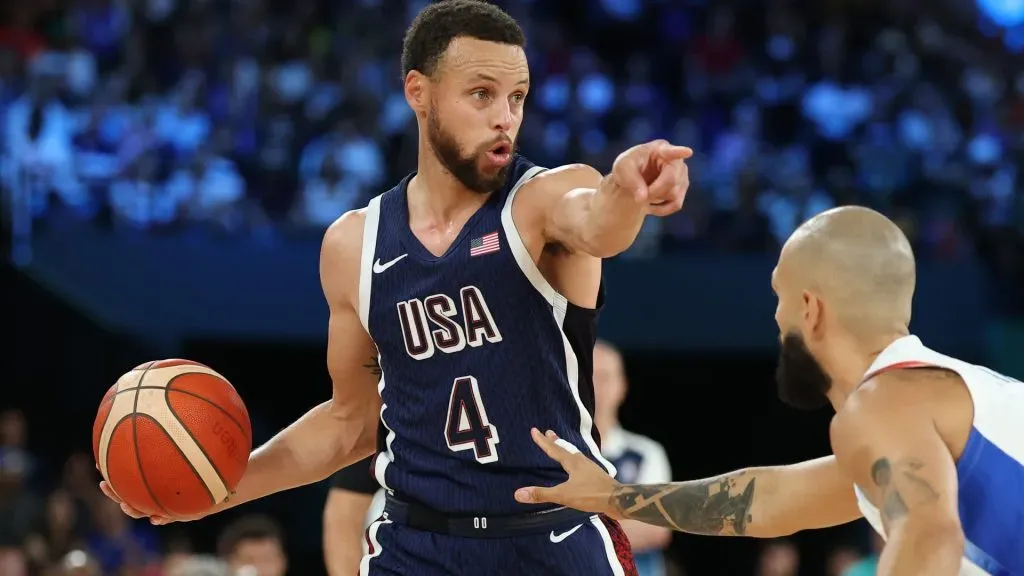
(135, 440)
(202, 450)
(156, 406)
(174, 421)
(120, 408)
(241, 428)
(184, 457)
(170, 386)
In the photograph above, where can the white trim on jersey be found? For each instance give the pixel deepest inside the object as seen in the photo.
(371, 535)
(380, 463)
(558, 308)
(366, 260)
(370, 227)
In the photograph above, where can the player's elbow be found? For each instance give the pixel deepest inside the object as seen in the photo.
(944, 536)
(355, 433)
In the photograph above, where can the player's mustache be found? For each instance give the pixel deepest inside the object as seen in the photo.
(501, 140)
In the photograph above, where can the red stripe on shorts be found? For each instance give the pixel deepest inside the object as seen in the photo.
(623, 549)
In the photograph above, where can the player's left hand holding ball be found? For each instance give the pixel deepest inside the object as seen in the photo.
(588, 487)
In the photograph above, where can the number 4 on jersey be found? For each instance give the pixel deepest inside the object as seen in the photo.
(467, 427)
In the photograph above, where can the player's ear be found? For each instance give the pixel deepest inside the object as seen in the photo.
(813, 314)
(417, 91)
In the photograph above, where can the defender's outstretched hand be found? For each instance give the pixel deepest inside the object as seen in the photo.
(656, 174)
(588, 488)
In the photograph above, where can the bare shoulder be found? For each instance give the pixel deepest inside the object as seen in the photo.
(340, 254)
(551, 184)
(536, 200)
(899, 401)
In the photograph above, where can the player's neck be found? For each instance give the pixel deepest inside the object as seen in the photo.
(436, 194)
(850, 363)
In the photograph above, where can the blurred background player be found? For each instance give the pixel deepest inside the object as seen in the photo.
(253, 545)
(637, 459)
(354, 500)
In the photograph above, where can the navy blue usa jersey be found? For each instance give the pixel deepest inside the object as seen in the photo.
(475, 348)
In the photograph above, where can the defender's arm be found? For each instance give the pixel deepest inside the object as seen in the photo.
(886, 440)
(343, 429)
(761, 502)
(766, 502)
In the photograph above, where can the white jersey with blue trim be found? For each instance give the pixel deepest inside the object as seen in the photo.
(990, 471)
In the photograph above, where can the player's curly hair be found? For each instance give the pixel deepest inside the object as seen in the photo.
(437, 25)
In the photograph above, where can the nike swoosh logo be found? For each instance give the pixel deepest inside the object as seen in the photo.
(378, 267)
(556, 538)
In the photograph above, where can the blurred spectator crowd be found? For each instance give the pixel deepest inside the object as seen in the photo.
(278, 115)
(75, 531)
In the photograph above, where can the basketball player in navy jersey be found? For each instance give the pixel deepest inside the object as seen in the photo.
(463, 305)
(929, 449)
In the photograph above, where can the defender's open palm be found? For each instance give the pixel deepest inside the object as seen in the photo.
(588, 488)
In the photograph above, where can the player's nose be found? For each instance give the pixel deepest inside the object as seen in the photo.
(503, 118)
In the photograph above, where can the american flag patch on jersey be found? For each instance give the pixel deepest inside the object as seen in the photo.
(484, 245)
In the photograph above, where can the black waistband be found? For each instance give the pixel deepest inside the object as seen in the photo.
(429, 520)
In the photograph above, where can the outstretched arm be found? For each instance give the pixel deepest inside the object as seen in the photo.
(895, 454)
(763, 502)
(576, 207)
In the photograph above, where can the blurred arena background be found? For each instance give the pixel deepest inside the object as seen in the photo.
(169, 166)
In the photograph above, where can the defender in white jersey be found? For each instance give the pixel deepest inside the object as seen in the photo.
(928, 448)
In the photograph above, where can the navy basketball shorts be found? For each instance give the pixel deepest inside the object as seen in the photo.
(595, 547)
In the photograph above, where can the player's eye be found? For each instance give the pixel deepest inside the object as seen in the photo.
(480, 94)
(518, 97)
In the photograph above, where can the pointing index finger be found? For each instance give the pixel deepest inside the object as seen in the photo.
(669, 152)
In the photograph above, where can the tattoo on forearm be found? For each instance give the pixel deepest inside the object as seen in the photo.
(714, 507)
(374, 366)
(902, 486)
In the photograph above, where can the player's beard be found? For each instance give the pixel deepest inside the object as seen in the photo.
(802, 381)
(464, 168)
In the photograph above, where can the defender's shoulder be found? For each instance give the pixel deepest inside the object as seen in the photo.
(905, 394)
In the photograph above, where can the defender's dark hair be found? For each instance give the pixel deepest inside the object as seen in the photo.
(246, 528)
(437, 25)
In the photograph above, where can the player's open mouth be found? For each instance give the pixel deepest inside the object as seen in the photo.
(500, 154)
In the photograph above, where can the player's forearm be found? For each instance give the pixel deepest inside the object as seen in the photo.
(923, 546)
(613, 219)
(735, 504)
(645, 537)
(311, 449)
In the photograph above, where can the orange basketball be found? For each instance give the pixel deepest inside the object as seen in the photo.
(172, 438)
